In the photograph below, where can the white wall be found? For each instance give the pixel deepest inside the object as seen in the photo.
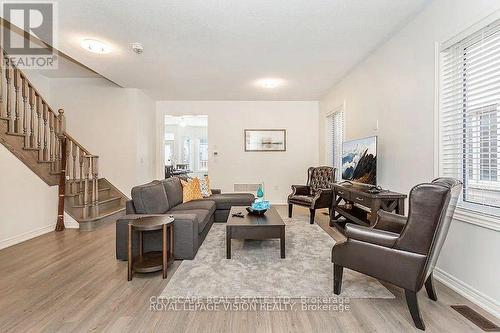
(395, 86)
(28, 206)
(226, 122)
(115, 123)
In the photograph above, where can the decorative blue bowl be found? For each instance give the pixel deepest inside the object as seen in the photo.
(252, 211)
(259, 208)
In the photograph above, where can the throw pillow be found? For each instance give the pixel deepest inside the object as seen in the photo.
(205, 187)
(191, 190)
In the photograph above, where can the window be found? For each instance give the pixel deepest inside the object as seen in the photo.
(203, 154)
(469, 111)
(334, 138)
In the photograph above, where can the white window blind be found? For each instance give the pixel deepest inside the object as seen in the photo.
(469, 117)
(334, 138)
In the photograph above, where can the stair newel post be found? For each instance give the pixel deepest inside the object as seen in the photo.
(8, 79)
(26, 112)
(86, 170)
(62, 185)
(17, 85)
(45, 109)
(33, 127)
(2, 112)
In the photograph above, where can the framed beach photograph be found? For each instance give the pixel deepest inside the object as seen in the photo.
(265, 140)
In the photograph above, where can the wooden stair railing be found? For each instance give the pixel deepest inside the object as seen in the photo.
(28, 115)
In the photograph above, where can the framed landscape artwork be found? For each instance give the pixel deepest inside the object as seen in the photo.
(265, 140)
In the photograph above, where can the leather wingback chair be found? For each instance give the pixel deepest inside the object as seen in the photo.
(402, 250)
(317, 193)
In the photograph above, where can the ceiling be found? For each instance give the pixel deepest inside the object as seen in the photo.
(216, 50)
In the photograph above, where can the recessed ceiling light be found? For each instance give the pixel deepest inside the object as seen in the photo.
(270, 83)
(95, 46)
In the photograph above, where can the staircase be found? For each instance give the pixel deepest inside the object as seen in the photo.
(33, 132)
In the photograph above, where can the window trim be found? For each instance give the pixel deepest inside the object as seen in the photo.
(478, 217)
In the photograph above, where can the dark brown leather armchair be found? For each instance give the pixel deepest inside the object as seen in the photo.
(317, 193)
(402, 250)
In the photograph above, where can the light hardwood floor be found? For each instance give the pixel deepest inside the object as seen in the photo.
(71, 282)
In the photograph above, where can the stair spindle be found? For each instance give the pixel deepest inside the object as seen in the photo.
(86, 167)
(95, 187)
(17, 86)
(33, 123)
(40, 130)
(26, 112)
(74, 154)
(51, 136)
(8, 79)
(82, 176)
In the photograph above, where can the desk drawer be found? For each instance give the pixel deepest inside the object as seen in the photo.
(361, 199)
(343, 194)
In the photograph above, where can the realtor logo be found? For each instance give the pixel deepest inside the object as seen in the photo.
(29, 38)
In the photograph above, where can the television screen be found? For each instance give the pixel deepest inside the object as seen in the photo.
(359, 160)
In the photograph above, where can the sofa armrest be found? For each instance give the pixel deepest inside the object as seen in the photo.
(390, 221)
(216, 190)
(129, 207)
(300, 190)
(186, 240)
(370, 235)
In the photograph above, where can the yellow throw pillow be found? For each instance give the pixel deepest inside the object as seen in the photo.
(191, 190)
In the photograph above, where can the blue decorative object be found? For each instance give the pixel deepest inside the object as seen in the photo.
(260, 193)
(259, 207)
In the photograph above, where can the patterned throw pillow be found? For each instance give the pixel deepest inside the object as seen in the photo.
(191, 190)
(205, 187)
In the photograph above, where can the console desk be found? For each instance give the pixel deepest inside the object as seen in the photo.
(357, 205)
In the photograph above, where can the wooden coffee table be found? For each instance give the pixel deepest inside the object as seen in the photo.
(270, 225)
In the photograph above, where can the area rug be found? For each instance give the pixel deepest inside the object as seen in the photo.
(256, 269)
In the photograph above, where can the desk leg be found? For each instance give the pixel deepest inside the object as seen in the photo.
(164, 250)
(400, 209)
(228, 242)
(130, 258)
(282, 242)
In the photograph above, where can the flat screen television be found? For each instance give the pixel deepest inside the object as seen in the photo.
(359, 161)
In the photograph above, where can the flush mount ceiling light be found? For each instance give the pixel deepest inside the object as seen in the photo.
(95, 46)
(270, 83)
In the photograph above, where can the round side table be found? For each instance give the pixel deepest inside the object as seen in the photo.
(155, 260)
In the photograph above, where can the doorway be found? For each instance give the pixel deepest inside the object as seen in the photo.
(186, 146)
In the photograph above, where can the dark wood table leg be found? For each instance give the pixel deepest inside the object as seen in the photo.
(164, 250)
(130, 258)
(141, 247)
(228, 242)
(282, 242)
(171, 242)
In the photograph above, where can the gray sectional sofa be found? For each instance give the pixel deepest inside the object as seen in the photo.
(193, 219)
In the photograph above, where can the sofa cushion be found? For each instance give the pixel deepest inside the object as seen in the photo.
(173, 189)
(227, 200)
(202, 216)
(150, 198)
(191, 190)
(196, 204)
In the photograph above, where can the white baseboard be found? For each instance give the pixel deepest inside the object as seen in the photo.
(472, 294)
(5, 243)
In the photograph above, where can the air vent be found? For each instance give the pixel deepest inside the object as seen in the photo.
(476, 318)
(251, 188)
